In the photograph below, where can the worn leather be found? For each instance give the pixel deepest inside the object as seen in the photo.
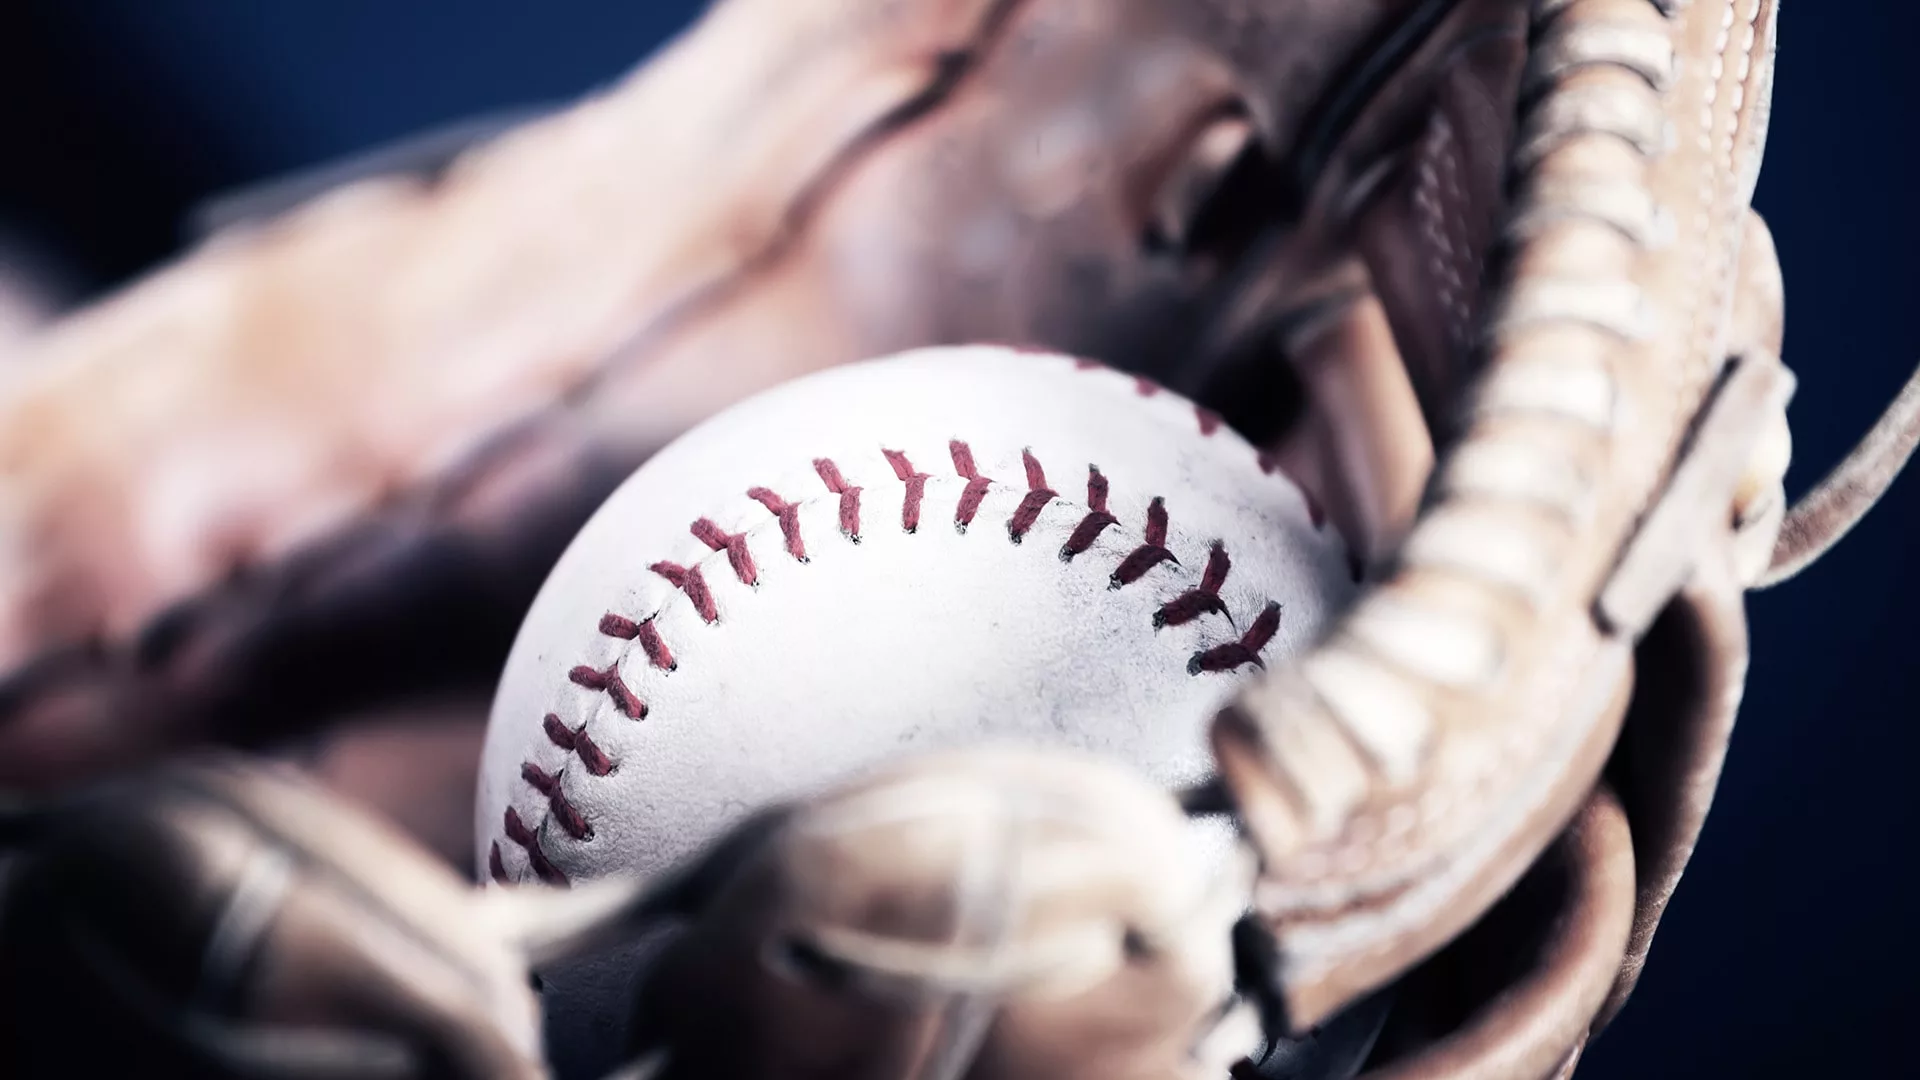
(221, 920)
(916, 924)
(1474, 271)
(352, 440)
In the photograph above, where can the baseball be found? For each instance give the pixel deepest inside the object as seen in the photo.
(947, 547)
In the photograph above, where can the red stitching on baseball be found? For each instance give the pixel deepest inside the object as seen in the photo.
(543, 867)
(1096, 521)
(615, 687)
(577, 742)
(656, 648)
(558, 733)
(689, 580)
(1037, 497)
(496, 866)
(976, 490)
(788, 514)
(615, 626)
(1096, 490)
(1203, 600)
(849, 497)
(1150, 554)
(1245, 651)
(734, 544)
(916, 483)
(548, 784)
(1210, 421)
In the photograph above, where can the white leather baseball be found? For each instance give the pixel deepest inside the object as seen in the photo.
(939, 548)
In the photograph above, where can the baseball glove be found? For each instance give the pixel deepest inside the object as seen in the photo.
(1482, 274)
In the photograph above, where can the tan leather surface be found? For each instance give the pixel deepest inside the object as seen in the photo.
(323, 462)
(1402, 776)
(983, 914)
(1564, 927)
(307, 478)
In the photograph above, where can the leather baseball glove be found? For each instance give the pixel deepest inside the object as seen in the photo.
(1482, 274)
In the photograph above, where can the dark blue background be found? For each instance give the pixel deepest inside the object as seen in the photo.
(1791, 949)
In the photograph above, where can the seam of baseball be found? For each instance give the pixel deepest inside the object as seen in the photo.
(731, 550)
